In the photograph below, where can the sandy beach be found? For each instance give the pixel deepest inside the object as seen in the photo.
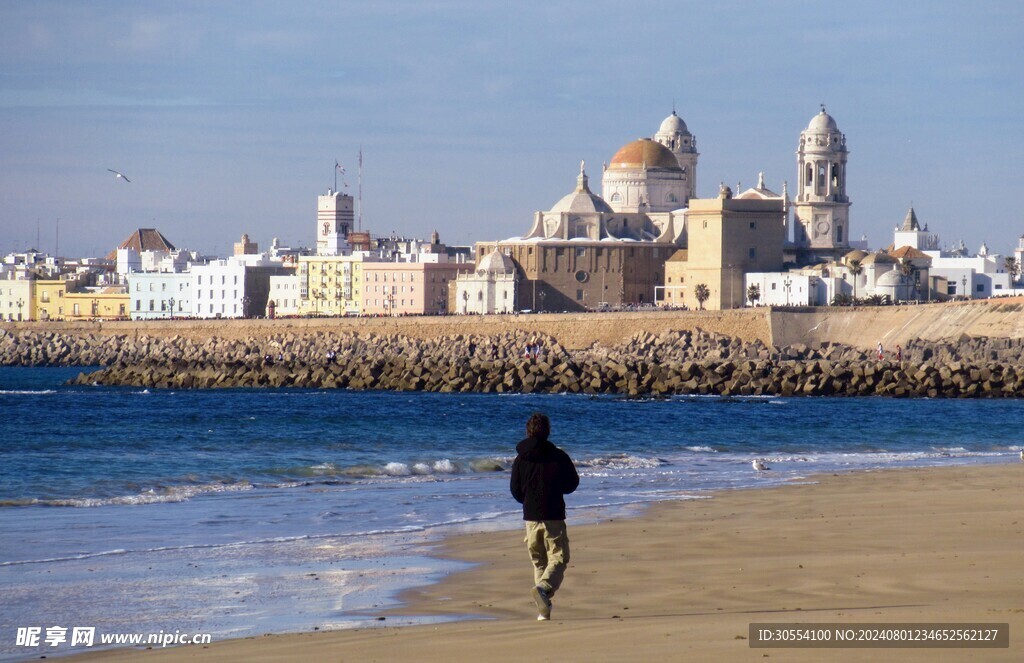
(684, 580)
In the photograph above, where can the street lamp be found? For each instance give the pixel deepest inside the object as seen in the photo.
(787, 283)
(964, 282)
(245, 306)
(542, 296)
(21, 302)
(465, 301)
(170, 303)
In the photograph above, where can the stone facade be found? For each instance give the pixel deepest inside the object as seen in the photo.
(728, 237)
(822, 208)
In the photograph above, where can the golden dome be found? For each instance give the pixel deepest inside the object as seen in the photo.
(644, 152)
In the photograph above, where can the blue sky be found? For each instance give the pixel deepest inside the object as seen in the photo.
(228, 117)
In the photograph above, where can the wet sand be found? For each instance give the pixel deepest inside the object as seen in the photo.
(684, 580)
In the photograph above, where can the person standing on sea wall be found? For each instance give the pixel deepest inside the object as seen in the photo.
(542, 475)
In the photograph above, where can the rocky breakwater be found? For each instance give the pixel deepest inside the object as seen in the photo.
(671, 363)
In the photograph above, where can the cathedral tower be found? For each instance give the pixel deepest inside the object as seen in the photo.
(822, 208)
(674, 135)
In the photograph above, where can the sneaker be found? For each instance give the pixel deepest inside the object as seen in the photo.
(543, 602)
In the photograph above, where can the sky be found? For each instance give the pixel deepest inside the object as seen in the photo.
(471, 116)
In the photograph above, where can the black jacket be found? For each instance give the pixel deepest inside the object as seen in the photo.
(541, 474)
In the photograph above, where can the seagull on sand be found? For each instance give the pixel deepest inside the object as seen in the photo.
(1022, 456)
(758, 465)
(118, 175)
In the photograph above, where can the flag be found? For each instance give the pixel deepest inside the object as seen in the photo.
(341, 169)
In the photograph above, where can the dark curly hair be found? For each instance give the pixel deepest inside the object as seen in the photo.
(539, 426)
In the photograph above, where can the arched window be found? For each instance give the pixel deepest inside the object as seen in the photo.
(810, 174)
(672, 198)
(616, 198)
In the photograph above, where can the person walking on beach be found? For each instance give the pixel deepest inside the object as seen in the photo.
(880, 351)
(542, 474)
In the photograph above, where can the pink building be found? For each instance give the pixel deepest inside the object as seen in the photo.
(408, 288)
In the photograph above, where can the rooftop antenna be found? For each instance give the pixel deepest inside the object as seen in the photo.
(359, 218)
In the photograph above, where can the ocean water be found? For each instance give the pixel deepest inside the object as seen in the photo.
(244, 512)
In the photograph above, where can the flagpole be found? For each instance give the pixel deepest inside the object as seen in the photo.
(359, 219)
(335, 174)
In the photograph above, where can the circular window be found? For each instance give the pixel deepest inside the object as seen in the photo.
(582, 276)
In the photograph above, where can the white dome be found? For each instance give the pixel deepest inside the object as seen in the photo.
(496, 262)
(673, 124)
(890, 279)
(823, 122)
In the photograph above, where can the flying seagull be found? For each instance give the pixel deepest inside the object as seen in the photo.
(758, 465)
(119, 176)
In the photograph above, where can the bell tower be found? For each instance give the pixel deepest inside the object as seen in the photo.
(822, 208)
(674, 135)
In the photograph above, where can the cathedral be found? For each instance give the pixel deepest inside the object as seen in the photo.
(595, 251)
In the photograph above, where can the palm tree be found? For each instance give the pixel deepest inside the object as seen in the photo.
(855, 270)
(1012, 267)
(753, 294)
(906, 268)
(702, 294)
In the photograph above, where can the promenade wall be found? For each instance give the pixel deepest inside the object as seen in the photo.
(861, 327)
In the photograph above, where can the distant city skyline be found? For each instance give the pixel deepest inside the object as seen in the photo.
(472, 116)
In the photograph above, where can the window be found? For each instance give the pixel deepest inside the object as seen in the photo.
(151, 307)
(580, 252)
(138, 304)
(74, 310)
(839, 233)
(752, 253)
(579, 295)
(980, 287)
(753, 225)
(616, 198)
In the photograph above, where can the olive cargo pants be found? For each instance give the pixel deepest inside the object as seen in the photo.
(548, 544)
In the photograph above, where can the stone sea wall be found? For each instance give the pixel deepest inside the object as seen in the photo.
(647, 364)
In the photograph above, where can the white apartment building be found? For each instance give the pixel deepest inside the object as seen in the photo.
(789, 288)
(16, 301)
(284, 293)
(160, 295)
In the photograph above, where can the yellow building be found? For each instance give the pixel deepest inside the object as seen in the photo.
(97, 304)
(727, 238)
(330, 285)
(49, 299)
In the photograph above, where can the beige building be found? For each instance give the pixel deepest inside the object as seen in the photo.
(409, 288)
(728, 237)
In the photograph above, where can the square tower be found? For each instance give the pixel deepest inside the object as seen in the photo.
(334, 218)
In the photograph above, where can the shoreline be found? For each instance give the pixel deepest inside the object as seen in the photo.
(896, 545)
